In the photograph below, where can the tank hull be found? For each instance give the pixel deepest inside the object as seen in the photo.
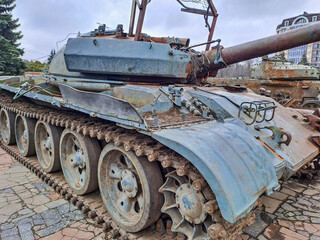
(225, 150)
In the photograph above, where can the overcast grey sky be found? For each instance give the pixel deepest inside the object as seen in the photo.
(44, 22)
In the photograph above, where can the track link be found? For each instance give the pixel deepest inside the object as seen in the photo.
(92, 204)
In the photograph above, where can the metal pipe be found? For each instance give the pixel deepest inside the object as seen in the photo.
(86, 86)
(264, 46)
(142, 14)
(133, 17)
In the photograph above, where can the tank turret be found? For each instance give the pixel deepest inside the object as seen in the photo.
(115, 56)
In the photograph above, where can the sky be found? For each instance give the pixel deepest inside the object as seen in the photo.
(45, 22)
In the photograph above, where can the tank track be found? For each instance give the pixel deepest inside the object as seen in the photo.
(310, 170)
(92, 204)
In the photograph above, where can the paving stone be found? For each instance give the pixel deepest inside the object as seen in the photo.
(40, 209)
(289, 214)
(69, 232)
(288, 207)
(38, 220)
(271, 204)
(315, 220)
(310, 228)
(303, 218)
(97, 231)
(261, 222)
(63, 208)
(317, 226)
(13, 237)
(72, 208)
(37, 200)
(310, 192)
(25, 211)
(292, 234)
(56, 203)
(75, 215)
(306, 234)
(53, 196)
(272, 232)
(10, 209)
(24, 221)
(279, 196)
(311, 214)
(52, 229)
(55, 236)
(84, 235)
(25, 231)
(9, 232)
(7, 225)
(280, 215)
(289, 192)
(23, 217)
(297, 213)
(285, 223)
(51, 217)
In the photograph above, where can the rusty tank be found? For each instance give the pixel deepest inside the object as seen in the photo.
(295, 85)
(126, 128)
(278, 68)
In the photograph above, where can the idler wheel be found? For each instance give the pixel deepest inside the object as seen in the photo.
(186, 207)
(7, 126)
(79, 160)
(129, 188)
(47, 139)
(24, 132)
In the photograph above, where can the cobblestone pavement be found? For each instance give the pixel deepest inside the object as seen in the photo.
(29, 209)
(293, 213)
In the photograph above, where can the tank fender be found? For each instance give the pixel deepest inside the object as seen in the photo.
(237, 167)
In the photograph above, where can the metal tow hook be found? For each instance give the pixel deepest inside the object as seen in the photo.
(278, 134)
(314, 119)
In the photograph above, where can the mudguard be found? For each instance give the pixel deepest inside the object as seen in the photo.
(237, 167)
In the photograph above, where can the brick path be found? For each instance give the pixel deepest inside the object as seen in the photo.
(29, 209)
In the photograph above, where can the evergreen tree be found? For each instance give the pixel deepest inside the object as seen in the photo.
(304, 60)
(10, 53)
(52, 53)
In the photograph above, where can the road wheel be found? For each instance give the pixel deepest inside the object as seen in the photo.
(129, 187)
(79, 157)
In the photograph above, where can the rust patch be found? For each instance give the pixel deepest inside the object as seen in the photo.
(173, 116)
(271, 150)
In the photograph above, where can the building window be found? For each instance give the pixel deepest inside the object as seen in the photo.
(314, 18)
(314, 52)
(301, 20)
(315, 45)
(286, 23)
(314, 59)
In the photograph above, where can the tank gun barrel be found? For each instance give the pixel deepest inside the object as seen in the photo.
(264, 46)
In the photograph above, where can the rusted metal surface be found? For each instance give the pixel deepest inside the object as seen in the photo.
(281, 70)
(280, 90)
(213, 24)
(266, 45)
(142, 13)
(314, 119)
